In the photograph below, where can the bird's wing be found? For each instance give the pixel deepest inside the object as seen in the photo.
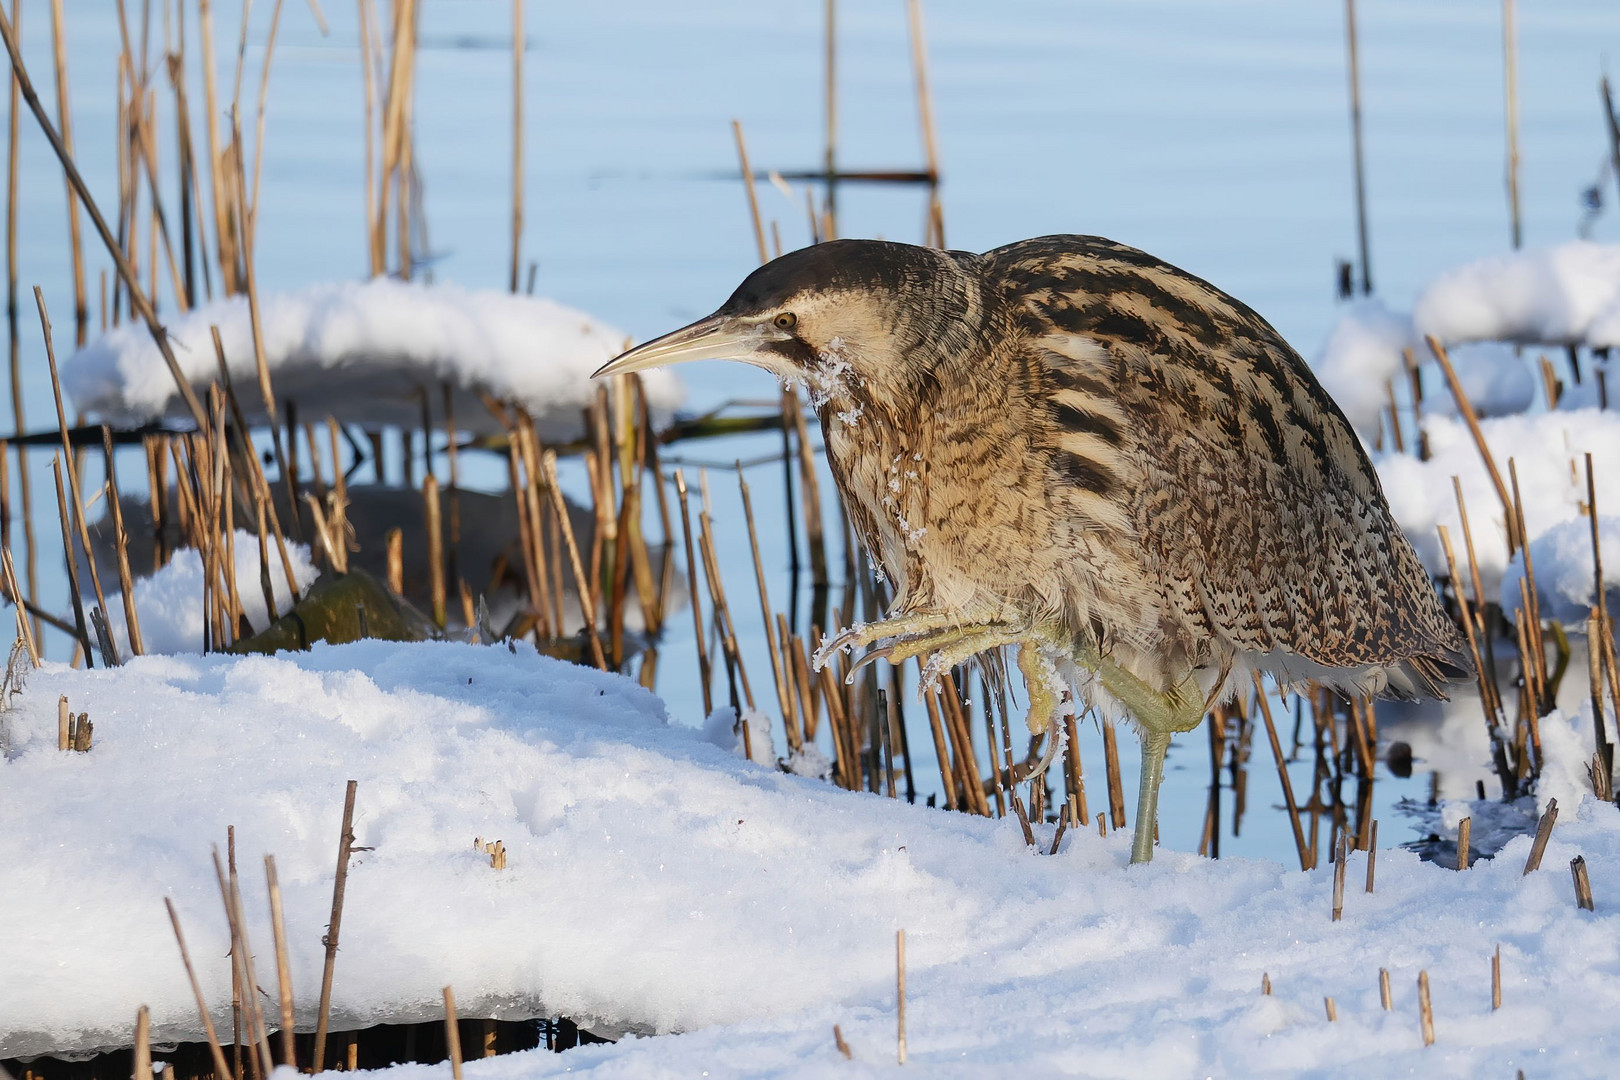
(1258, 506)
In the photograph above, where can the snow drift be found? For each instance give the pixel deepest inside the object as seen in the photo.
(365, 351)
(659, 884)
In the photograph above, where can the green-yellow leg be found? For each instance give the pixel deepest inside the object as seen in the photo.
(1158, 716)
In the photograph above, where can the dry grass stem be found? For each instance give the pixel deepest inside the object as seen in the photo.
(330, 940)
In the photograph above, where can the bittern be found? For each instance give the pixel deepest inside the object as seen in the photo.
(1072, 447)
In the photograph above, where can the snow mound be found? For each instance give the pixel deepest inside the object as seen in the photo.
(1562, 557)
(1495, 377)
(365, 351)
(1563, 295)
(169, 602)
(1365, 351)
(1547, 450)
(1362, 353)
(658, 883)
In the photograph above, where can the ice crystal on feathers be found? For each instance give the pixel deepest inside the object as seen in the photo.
(831, 378)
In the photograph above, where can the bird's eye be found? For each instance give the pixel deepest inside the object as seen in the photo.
(785, 321)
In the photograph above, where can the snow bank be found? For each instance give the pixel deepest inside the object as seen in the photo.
(1547, 449)
(1497, 380)
(1362, 353)
(364, 350)
(1365, 351)
(1562, 557)
(169, 602)
(655, 882)
(1568, 294)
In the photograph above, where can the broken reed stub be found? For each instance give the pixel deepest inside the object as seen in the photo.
(1496, 979)
(838, 1041)
(900, 994)
(1583, 884)
(1425, 1010)
(1544, 827)
(64, 724)
(1332, 1010)
(495, 849)
(1383, 989)
(1372, 854)
(1338, 878)
(1464, 830)
(1265, 983)
(79, 733)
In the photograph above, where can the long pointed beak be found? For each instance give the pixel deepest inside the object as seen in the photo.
(718, 337)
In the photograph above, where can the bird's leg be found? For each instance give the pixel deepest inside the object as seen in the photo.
(1158, 716)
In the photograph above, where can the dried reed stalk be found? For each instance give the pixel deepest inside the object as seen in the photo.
(1116, 789)
(771, 645)
(72, 467)
(517, 139)
(810, 487)
(435, 531)
(1464, 834)
(961, 735)
(548, 464)
(143, 1044)
(260, 361)
(1533, 596)
(330, 940)
(452, 1033)
(925, 113)
(394, 543)
(25, 626)
(256, 478)
(126, 582)
(1471, 418)
(1487, 692)
(25, 484)
(79, 623)
(278, 929)
(222, 1069)
(243, 955)
(64, 113)
(1510, 92)
(1306, 862)
(1384, 997)
(748, 187)
(947, 775)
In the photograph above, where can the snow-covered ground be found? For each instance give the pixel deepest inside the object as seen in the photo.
(657, 883)
(367, 350)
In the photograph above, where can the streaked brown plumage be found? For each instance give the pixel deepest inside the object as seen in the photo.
(1069, 445)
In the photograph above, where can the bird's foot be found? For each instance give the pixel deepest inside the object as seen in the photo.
(944, 648)
(864, 634)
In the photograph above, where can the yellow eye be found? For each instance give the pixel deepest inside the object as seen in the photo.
(785, 321)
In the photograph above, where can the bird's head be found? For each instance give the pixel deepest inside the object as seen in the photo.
(847, 311)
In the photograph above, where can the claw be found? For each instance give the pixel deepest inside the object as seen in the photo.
(870, 656)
